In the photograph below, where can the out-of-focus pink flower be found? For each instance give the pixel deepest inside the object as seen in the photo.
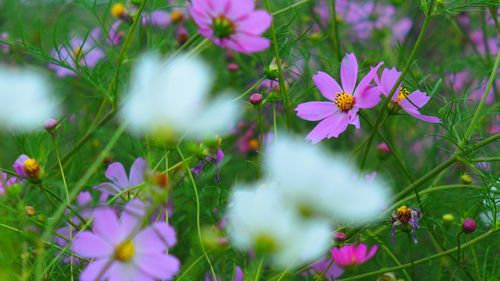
(485, 46)
(158, 18)
(409, 102)
(353, 255)
(119, 181)
(121, 250)
(458, 81)
(325, 265)
(6, 182)
(80, 52)
(344, 102)
(233, 24)
(4, 47)
(479, 89)
(114, 34)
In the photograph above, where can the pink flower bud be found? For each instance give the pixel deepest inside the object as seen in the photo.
(50, 124)
(383, 148)
(256, 99)
(233, 67)
(469, 225)
(340, 237)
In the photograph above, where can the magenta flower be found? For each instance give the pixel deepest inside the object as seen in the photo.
(353, 255)
(27, 168)
(119, 179)
(232, 24)
(122, 251)
(345, 101)
(215, 158)
(158, 18)
(80, 52)
(331, 270)
(115, 36)
(409, 102)
(6, 182)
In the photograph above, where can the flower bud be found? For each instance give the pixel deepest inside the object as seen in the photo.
(119, 10)
(448, 218)
(176, 16)
(383, 149)
(256, 99)
(340, 237)
(30, 211)
(466, 179)
(50, 124)
(469, 225)
(233, 67)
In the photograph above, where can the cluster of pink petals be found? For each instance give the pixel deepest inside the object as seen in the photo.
(149, 259)
(6, 182)
(247, 23)
(119, 181)
(334, 121)
(411, 103)
(353, 255)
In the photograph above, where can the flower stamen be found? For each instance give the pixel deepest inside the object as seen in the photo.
(222, 27)
(403, 93)
(344, 101)
(125, 251)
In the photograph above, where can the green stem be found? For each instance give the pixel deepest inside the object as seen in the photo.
(334, 32)
(198, 209)
(475, 118)
(291, 7)
(277, 57)
(74, 193)
(406, 68)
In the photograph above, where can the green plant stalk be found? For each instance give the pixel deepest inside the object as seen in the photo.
(74, 193)
(479, 109)
(334, 32)
(291, 7)
(423, 260)
(198, 209)
(406, 68)
(281, 80)
(123, 52)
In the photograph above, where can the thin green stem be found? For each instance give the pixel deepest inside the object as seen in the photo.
(198, 209)
(277, 57)
(291, 7)
(479, 109)
(334, 32)
(406, 68)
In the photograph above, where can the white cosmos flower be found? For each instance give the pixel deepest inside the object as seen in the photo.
(26, 99)
(316, 182)
(170, 96)
(258, 219)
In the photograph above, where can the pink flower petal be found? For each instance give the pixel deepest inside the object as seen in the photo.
(331, 126)
(240, 8)
(89, 245)
(137, 172)
(116, 173)
(417, 98)
(315, 110)
(388, 79)
(255, 24)
(159, 266)
(106, 225)
(155, 239)
(248, 43)
(369, 98)
(349, 73)
(97, 268)
(131, 218)
(326, 85)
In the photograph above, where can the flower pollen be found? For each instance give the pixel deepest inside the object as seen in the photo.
(404, 214)
(344, 101)
(125, 251)
(31, 167)
(403, 93)
(222, 27)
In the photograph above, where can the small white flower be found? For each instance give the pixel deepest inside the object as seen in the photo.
(170, 96)
(26, 100)
(258, 219)
(316, 182)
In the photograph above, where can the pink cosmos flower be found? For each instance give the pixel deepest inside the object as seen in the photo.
(121, 250)
(488, 46)
(409, 102)
(232, 24)
(119, 179)
(478, 90)
(344, 102)
(352, 255)
(80, 52)
(115, 36)
(6, 182)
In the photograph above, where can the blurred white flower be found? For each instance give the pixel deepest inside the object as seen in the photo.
(26, 100)
(318, 183)
(170, 97)
(258, 220)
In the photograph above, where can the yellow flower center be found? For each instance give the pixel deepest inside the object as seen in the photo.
(344, 101)
(403, 93)
(265, 244)
(118, 10)
(125, 251)
(404, 214)
(223, 27)
(31, 167)
(176, 16)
